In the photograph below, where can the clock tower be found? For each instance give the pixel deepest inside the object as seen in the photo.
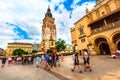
(48, 31)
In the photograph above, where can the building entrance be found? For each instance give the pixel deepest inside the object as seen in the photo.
(118, 45)
(104, 49)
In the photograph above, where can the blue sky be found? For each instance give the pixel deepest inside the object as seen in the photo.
(21, 20)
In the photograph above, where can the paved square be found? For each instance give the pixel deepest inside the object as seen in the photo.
(103, 69)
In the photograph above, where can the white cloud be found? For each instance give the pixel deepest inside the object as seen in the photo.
(28, 15)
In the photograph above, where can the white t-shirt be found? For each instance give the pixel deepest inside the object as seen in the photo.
(9, 59)
(18, 58)
(85, 53)
(43, 57)
(113, 55)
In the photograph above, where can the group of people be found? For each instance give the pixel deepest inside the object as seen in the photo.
(115, 55)
(86, 59)
(17, 60)
(49, 59)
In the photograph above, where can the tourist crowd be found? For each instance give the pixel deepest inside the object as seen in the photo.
(49, 60)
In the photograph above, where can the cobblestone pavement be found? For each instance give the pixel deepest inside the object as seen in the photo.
(103, 69)
(26, 72)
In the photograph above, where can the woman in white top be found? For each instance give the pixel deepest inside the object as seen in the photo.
(9, 60)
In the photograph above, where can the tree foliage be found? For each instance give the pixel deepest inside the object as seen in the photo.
(60, 45)
(18, 52)
(49, 51)
(34, 51)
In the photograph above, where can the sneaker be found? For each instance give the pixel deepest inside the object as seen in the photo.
(59, 65)
(48, 69)
(72, 70)
(90, 70)
(80, 71)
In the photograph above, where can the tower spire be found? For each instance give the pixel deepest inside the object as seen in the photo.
(48, 13)
(49, 6)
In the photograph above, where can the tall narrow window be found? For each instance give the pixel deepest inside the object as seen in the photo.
(52, 43)
(81, 30)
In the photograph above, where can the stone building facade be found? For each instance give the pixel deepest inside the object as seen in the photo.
(12, 46)
(48, 31)
(2, 52)
(99, 29)
(36, 47)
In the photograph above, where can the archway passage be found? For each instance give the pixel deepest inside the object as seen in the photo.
(104, 49)
(116, 40)
(75, 48)
(118, 45)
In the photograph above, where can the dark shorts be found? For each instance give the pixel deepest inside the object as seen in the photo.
(3, 62)
(76, 63)
(86, 62)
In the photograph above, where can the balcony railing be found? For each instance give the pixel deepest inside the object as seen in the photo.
(109, 26)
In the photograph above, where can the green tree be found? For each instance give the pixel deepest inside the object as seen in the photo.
(34, 51)
(18, 52)
(49, 51)
(60, 45)
(26, 53)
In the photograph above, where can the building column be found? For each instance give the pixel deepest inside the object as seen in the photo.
(112, 47)
(94, 50)
(105, 22)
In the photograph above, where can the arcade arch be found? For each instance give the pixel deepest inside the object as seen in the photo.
(102, 46)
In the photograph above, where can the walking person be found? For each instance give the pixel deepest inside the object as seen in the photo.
(19, 59)
(86, 59)
(29, 59)
(57, 60)
(76, 63)
(50, 61)
(42, 59)
(73, 57)
(47, 66)
(9, 61)
(3, 61)
(62, 57)
(53, 59)
(87, 63)
(37, 61)
(32, 59)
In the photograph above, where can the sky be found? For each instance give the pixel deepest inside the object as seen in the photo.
(21, 20)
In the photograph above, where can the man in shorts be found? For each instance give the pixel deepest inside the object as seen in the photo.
(47, 66)
(3, 61)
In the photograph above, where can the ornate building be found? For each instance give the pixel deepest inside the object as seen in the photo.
(68, 48)
(99, 29)
(2, 52)
(12, 46)
(36, 47)
(48, 31)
